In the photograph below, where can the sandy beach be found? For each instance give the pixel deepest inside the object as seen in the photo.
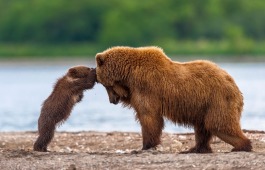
(121, 150)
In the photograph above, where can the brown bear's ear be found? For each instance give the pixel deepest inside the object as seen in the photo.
(99, 59)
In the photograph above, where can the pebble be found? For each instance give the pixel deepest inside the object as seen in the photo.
(176, 145)
(181, 137)
(119, 151)
(262, 139)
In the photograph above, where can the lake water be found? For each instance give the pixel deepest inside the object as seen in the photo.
(23, 88)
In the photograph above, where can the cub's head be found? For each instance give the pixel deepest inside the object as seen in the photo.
(84, 74)
(81, 72)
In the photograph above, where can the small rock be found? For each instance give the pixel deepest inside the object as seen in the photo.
(71, 167)
(135, 152)
(56, 148)
(181, 137)
(176, 145)
(119, 151)
(88, 149)
(262, 139)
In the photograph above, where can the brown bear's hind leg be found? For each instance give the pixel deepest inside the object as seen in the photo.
(202, 138)
(152, 126)
(239, 141)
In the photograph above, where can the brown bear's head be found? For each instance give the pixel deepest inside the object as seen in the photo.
(103, 76)
(112, 70)
(112, 65)
(120, 64)
(103, 70)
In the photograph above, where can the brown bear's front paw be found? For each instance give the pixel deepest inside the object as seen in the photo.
(198, 150)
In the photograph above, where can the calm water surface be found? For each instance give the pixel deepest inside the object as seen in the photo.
(23, 88)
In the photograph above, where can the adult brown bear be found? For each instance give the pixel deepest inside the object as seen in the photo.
(195, 94)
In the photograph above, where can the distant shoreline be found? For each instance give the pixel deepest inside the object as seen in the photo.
(47, 61)
(90, 60)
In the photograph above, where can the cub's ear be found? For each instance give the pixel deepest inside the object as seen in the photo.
(100, 59)
(72, 72)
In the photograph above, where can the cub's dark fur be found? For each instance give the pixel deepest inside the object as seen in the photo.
(57, 107)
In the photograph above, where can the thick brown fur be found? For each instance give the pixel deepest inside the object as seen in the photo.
(57, 107)
(195, 94)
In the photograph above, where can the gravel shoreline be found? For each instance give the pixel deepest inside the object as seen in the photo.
(121, 150)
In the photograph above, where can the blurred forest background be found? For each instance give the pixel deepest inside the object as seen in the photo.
(36, 28)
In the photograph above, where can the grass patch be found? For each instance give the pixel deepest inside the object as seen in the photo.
(185, 48)
(48, 50)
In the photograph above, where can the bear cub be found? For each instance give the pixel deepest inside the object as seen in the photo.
(67, 91)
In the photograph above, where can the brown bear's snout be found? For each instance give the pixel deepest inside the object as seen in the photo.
(113, 97)
(114, 100)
